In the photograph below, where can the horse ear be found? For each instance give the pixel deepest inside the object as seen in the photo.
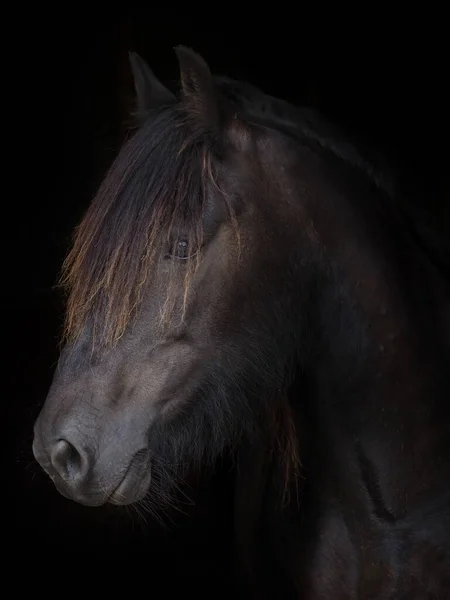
(198, 90)
(150, 92)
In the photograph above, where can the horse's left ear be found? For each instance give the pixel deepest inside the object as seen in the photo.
(150, 92)
(198, 90)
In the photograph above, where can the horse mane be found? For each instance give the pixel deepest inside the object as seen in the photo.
(153, 192)
(307, 124)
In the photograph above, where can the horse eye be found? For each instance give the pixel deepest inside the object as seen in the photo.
(179, 250)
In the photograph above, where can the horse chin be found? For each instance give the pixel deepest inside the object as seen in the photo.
(133, 488)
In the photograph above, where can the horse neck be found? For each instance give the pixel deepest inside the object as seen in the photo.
(378, 367)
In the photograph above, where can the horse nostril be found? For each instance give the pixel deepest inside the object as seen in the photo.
(68, 461)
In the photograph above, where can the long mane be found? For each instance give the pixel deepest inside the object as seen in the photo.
(154, 189)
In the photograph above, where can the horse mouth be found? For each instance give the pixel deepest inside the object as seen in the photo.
(134, 485)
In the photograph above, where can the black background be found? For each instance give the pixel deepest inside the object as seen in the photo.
(68, 88)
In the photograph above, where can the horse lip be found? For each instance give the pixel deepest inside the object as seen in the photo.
(132, 487)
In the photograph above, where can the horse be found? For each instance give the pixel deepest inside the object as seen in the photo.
(248, 282)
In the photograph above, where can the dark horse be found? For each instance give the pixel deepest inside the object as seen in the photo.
(246, 283)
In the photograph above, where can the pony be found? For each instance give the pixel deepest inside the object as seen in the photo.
(249, 283)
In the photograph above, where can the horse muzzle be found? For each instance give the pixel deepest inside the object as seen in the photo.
(78, 476)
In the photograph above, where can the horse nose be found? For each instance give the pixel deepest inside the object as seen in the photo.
(70, 461)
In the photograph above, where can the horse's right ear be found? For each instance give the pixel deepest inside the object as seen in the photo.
(208, 110)
(150, 92)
